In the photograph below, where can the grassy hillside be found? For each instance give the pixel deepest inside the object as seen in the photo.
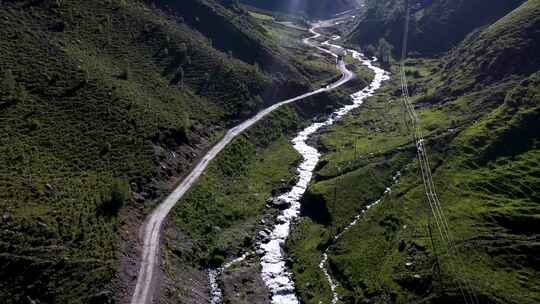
(436, 26)
(483, 149)
(319, 70)
(103, 104)
(231, 30)
(506, 47)
(489, 193)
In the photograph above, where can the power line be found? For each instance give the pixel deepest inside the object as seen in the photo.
(429, 186)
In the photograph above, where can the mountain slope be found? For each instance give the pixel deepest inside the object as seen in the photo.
(478, 106)
(102, 105)
(436, 27)
(232, 31)
(509, 46)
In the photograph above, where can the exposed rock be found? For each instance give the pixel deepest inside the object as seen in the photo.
(49, 189)
(279, 204)
(243, 284)
(263, 236)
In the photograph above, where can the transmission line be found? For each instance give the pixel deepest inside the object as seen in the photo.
(440, 218)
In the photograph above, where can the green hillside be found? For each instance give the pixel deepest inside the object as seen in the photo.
(106, 104)
(479, 107)
(233, 31)
(509, 46)
(103, 105)
(436, 25)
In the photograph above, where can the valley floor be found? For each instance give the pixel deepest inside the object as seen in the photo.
(103, 113)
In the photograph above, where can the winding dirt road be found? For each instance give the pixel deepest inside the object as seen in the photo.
(151, 230)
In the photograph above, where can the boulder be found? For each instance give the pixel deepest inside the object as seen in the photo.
(263, 236)
(279, 204)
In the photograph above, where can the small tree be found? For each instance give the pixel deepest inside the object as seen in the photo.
(126, 73)
(371, 50)
(231, 3)
(183, 49)
(56, 3)
(258, 100)
(186, 126)
(113, 199)
(10, 90)
(385, 51)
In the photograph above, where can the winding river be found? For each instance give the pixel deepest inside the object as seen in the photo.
(275, 274)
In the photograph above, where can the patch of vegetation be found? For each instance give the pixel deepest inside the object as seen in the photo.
(219, 215)
(262, 16)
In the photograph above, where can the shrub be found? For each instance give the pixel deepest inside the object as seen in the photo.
(126, 73)
(113, 198)
(217, 257)
(384, 51)
(370, 50)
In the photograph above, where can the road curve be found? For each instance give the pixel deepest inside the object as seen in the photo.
(151, 229)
